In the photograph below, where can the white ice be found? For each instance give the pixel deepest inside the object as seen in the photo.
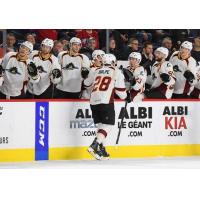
(167, 162)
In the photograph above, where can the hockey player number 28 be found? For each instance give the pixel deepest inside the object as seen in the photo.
(101, 83)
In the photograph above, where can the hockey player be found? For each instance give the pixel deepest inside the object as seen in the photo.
(75, 68)
(46, 71)
(135, 76)
(15, 77)
(106, 81)
(185, 69)
(97, 61)
(162, 77)
(196, 92)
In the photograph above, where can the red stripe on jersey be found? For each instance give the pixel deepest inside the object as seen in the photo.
(162, 88)
(112, 96)
(133, 93)
(120, 89)
(102, 132)
(186, 88)
(195, 93)
(24, 85)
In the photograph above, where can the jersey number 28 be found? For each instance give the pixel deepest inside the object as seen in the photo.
(101, 83)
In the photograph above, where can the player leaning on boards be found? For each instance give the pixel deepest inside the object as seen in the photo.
(97, 61)
(195, 94)
(14, 72)
(162, 77)
(185, 69)
(45, 70)
(106, 81)
(135, 77)
(75, 68)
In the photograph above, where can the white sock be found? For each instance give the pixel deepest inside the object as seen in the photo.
(100, 138)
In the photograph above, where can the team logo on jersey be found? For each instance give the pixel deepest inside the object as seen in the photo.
(70, 66)
(41, 69)
(176, 68)
(13, 70)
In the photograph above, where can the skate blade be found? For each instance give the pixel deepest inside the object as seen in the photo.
(91, 151)
(105, 158)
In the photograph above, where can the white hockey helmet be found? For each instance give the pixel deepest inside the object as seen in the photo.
(97, 53)
(135, 55)
(75, 40)
(48, 42)
(27, 44)
(163, 50)
(109, 59)
(187, 45)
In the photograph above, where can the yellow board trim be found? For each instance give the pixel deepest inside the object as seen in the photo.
(78, 153)
(137, 151)
(17, 155)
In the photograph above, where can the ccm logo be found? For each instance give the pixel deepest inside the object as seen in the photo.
(41, 125)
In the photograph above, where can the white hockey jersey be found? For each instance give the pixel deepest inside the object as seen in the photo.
(182, 86)
(87, 90)
(71, 71)
(140, 76)
(105, 82)
(45, 67)
(15, 75)
(196, 90)
(166, 88)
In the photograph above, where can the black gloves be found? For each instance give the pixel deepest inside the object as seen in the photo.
(56, 73)
(84, 72)
(1, 70)
(128, 75)
(189, 76)
(32, 69)
(176, 68)
(165, 77)
(128, 98)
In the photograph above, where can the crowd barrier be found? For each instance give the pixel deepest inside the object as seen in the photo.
(62, 129)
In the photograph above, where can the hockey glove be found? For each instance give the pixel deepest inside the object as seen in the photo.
(84, 72)
(56, 73)
(129, 76)
(165, 77)
(128, 98)
(189, 76)
(32, 69)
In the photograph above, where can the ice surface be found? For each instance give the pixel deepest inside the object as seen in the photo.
(169, 162)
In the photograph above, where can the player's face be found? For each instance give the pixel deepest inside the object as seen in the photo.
(45, 49)
(76, 47)
(184, 53)
(98, 61)
(24, 51)
(158, 56)
(133, 62)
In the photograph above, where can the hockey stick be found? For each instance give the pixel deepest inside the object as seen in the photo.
(120, 128)
(53, 88)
